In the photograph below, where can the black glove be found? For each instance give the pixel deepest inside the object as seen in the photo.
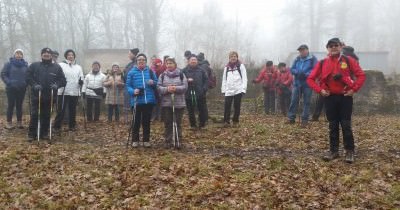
(80, 82)
(302, 76)
(84, 95)
(104, 95)
(37, 87)
(54, 86)
(337, 76)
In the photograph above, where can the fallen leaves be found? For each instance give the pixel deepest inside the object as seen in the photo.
(263, 164)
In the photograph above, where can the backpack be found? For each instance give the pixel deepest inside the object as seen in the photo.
(212, 79)
(180, 76)
(237, 68)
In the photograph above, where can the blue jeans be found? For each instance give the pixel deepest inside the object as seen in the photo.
(294, 102)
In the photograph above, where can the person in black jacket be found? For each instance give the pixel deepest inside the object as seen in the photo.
(14, 76)
(196, 93)
(43, 76)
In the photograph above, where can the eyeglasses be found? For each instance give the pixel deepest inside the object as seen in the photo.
(333, 45)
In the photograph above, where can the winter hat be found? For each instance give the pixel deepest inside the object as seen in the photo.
(134, 51)
(158, 61)
(114, 64)
(55, 52)
(187, 54)
(68, 51)
(281, 64)
(269, 63)
(19, 50)
(333, 41)
(303, 46)
(200, 56)
(45, 50)
(191, 56)
(143, 55)
(96, 62)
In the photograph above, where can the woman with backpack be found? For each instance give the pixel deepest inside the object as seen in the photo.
(14, 76)
(234, 86)
(172, 85)
(141, 84)
(114, 84)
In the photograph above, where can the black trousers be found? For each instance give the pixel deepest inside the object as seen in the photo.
(237, 100)
(45, 108)
(15, 98)
(319, 105)
(200, 104)
(93, 106)
(72, 101)
(339, 109)
(142, 118)
(269, 101)
(284, 101)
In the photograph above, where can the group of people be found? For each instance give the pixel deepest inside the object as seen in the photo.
(164, 89)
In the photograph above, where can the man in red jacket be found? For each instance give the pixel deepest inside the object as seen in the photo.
(284, 87)
(339, 77)
(268, 76)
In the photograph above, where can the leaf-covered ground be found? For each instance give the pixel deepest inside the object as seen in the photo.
(264, 164)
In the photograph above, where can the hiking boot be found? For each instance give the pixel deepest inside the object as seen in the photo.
(146, 144)
(291, 122)
(9, 125)
(304, 124)
(135, 144)
(349, 156)
(19, 125)
(330, 156)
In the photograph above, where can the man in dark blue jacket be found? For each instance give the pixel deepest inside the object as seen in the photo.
(196, 93)
(43, 77)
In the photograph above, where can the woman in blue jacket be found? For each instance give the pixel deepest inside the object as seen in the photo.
(14, 76)
(141, 84)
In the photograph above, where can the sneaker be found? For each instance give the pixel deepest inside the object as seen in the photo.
(135, 144)
(146, 144)
(349, 157)
(330, 156)
(291, 122)
(304, 124)
(19, 125)
(9, 125)
(227, 125)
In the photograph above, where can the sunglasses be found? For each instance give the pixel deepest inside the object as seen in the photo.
(333, 45)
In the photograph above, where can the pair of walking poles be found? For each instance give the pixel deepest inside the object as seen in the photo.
(51, 113)
(175, 132)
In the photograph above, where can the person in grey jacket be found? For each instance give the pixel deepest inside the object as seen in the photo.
(14, 76)
(196, 94)
(172, 81)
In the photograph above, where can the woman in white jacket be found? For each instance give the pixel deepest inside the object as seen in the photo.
(234, 85)
(71, 92)
(93, 91)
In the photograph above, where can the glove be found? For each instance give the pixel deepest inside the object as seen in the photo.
(302, 76)
(54, 86)
(84, 95)
(337, 76)
(80, 82)
(37, 87)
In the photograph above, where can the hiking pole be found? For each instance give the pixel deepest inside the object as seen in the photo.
(132, 121)
(83, 107)
(38, 127)
(51, 112)
(174, 124)
(300, 92)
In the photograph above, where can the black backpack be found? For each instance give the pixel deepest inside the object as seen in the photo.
(237, 68)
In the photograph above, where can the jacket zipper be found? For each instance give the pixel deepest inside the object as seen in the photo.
(144, 88)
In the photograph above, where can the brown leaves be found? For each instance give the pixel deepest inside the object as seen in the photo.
(263, 164)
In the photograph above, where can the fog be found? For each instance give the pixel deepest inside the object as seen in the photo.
(258, 30)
